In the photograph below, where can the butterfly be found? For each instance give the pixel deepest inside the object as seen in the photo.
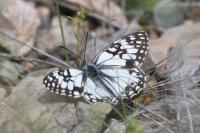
(114, 73)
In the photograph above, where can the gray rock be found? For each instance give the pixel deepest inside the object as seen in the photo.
(116, 127)
(20, 20)
(103, 10)
(167, 13)
(131, 28)
(159, 47)
(44, 13)
(3, 93)
(30, 108)
(49, 39)
(10, 72)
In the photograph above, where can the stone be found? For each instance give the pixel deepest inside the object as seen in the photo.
(18, 19)
(116, 127)
(3, 93)
(166, 10)
(103, 10)
(49, 39)
(31, 107)
(10, 74)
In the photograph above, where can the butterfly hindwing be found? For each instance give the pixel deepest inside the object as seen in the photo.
(68, 82)
(126, 52)
(95, 92)
(125, 83)
(114, 84)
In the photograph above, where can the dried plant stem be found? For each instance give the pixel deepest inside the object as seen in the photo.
(37, 50)
(15, 57)
(61, 26)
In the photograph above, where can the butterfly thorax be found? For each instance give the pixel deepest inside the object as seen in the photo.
(90, 70)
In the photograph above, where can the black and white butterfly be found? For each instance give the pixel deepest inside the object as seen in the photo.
(115, 73)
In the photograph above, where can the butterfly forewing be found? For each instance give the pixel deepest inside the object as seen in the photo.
(67, 82)
(120, 64)
(127, 52)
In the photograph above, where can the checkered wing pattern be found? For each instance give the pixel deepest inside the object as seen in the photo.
(67, 82)
(118, 73)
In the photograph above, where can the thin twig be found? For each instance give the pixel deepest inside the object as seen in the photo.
(148, 110)
(37, 50)
(158, 123)
(12, 56)
(188, 109)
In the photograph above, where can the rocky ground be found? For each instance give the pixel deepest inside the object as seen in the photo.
(170, 105)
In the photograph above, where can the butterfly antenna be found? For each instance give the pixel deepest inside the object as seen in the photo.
(95, 44)
(71, 52)
(85, 48)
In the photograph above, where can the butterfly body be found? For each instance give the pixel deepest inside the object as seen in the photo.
(90, 70)
(115, 73)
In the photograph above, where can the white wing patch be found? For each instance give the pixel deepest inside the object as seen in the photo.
(65, 82)
(125, 82)
(95, 92)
